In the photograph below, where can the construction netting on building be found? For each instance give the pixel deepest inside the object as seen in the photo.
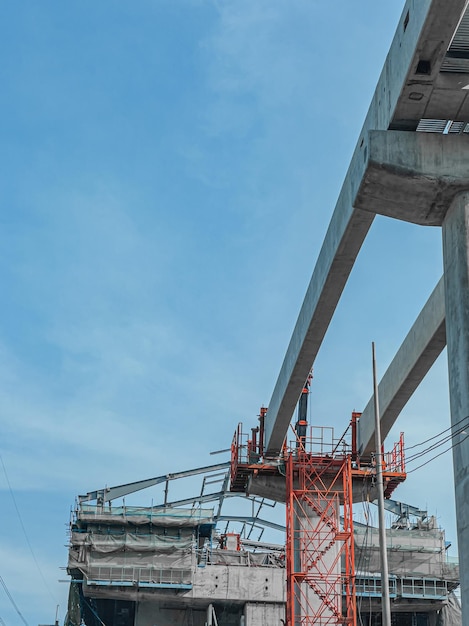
(416, 552)
(128, 545)
(158, 516)
(244, 558)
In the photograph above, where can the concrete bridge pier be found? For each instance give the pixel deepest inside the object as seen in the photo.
(456, 273)
(423, 178)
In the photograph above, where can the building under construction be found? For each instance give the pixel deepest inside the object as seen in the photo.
(207, 559)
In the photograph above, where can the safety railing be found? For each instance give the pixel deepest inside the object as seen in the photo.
(123, 575)
(166, 516)
(317, 441)
(321, 441)
(395, 460)
(424, 588)
(243, 449)
(370, 587)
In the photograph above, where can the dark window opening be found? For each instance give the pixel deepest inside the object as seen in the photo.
(423, 67)
(406, 20)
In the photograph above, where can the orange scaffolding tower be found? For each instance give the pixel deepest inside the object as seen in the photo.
(320, 549)
(322, 474)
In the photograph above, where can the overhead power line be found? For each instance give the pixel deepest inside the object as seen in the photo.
(417, 445)
(452, 433)
(10, 597)
(437, 455)
(24, 531)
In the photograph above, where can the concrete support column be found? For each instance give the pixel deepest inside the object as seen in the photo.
(456, 270)
(315, 542)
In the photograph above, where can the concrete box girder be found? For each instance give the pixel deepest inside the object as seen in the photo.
(429, 93)
(424, 32)
(413, 177)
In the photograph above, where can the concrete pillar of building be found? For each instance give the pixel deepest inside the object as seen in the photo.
(456, 270)
(314, 541)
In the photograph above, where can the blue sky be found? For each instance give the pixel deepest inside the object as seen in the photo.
(169, 169)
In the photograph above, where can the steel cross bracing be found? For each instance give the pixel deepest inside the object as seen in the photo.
(423, 87)
(248, 523)
(107, 494)
(320, 544)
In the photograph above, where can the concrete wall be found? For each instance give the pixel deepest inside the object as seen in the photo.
(223, 583)
(248, 584)
(263, 614)
(252, 614)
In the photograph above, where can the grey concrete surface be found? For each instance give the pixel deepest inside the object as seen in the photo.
(214, 583)
(403, 96)
(456, 268)
(427, 92)
(262, 614)
(419, 350)
(413, 177)
(274, 488)
(317, 552)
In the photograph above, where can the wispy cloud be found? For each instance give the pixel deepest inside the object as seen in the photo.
(169, 177)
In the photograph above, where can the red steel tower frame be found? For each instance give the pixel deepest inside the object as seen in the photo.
(320, 549)
(320, 475)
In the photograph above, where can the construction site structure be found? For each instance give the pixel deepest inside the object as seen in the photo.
(184, 563)
(409, 164)
(180, 562)
(170, 564)
(321, 475)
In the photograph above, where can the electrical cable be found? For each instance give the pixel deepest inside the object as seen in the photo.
(364, 543)
(10, 597)
(436, 445)
(437, 455)
(440, 442)
(25, 533)
(446, 437)
(407, 448)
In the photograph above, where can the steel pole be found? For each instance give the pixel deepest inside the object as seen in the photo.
(385, 602)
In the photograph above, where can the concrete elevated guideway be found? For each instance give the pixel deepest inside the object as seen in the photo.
(423, 78)
(420, 177)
